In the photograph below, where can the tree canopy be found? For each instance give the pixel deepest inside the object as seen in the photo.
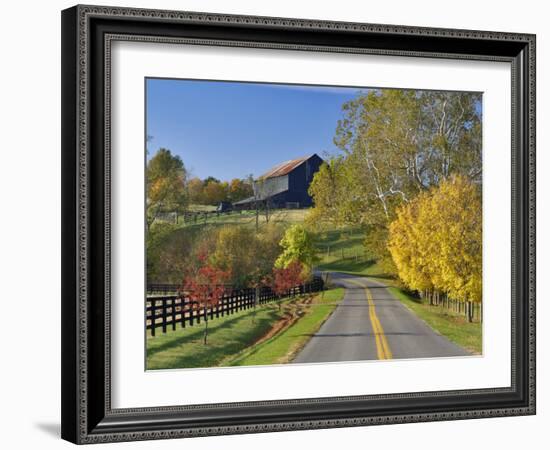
(298, 245)
(436, 240)
(166, 184)
(212, 191)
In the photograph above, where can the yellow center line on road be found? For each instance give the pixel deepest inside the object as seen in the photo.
(380, 331)
(382, 347)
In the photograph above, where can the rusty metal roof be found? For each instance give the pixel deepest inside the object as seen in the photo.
(285, 167)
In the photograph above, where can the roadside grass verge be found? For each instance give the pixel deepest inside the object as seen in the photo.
(453, 326)
(283, 347)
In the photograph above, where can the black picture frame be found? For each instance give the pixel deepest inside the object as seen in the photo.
(87, 415)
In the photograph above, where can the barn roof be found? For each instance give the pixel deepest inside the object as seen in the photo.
(285, 167)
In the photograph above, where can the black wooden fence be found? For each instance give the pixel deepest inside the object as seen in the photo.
(169, 311)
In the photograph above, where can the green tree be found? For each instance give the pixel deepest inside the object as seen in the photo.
(330, 190)
(166, 179)
(298, 245)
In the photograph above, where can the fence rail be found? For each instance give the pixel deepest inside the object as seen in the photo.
(169, 311)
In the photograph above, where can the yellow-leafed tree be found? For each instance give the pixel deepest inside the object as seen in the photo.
(436, 240)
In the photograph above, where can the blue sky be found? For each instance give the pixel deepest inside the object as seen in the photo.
(230, 129)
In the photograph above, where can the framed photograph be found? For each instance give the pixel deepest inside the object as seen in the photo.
(279, 224)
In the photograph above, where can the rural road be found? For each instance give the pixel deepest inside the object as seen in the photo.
(370, 323)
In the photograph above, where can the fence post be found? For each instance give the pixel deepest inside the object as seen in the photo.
(153, 317)
(173, 314)
(182, 311)
(164, 315)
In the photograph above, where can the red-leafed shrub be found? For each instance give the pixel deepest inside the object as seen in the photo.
(288, 277)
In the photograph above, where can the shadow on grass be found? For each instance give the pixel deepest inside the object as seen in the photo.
(227, 338)
(193, 333)
(209, 355)
(358, 267)
(412, 295)
(338, 240)
(346, 265)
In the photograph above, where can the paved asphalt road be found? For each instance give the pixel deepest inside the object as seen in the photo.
(372, 324)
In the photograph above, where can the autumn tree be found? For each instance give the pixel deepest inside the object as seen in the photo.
(214, 191)
(239, 189)
(436, 240)
(166, 178)
(205, 287)
(195, 189)
(457, 204)
(410, 244)
(249, 257)
(235, 252)
(286, 278)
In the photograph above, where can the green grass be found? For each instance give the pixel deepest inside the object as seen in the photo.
(282, 347)
(231, 335)
(342, 250)
(453, 326)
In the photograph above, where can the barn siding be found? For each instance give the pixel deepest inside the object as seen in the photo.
(294, 186)
(300, 179)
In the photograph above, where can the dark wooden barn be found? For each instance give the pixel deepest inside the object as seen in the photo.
(285, 185)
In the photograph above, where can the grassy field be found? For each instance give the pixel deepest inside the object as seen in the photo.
(342, 250)
(453, 326)
(201, 208)
(231, 335)
(284, 346)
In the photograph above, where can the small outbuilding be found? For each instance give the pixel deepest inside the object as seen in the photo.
(224, 207)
